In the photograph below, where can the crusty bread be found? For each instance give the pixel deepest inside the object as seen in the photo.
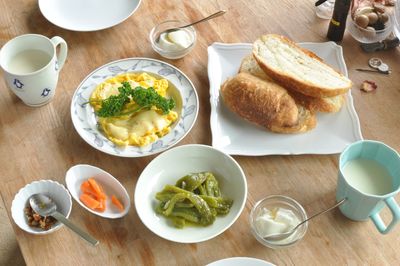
(324, 104)
(307, 121)
(250, 65)
(266, 104)
(297, 68)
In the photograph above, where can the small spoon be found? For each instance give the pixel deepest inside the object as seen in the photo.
(45, 206)
(280, 236)
(378, 71)
(216, 14)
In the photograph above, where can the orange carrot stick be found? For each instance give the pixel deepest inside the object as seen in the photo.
(87, 188)
(89, 201)
(102, 206)
(97, 188)
(117, 203)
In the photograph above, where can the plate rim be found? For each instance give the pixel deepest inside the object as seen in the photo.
(202, 146)
(241, 259)
(128, 59)
(213, 58)
(40, 3)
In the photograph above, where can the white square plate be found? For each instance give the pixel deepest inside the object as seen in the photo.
(234, 135)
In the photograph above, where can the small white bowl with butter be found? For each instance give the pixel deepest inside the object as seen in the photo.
(277, 214)
(175, 44)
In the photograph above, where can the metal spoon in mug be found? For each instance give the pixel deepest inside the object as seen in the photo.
(216, 14)
(280, 236)
(45, 206)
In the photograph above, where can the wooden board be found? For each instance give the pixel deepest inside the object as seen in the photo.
(41, 143)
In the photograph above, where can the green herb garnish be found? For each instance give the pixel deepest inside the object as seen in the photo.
(144, 98)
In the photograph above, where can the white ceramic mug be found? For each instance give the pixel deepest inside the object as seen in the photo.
(31, 66)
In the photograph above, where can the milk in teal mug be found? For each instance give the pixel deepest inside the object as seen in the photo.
(369, 178)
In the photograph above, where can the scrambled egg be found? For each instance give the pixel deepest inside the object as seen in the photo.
(139, 129)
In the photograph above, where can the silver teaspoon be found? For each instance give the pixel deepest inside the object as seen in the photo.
(280, 236)
(45, 206)
(216, 14)
(378, 71)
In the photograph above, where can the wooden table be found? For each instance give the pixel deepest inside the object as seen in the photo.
(41, 143)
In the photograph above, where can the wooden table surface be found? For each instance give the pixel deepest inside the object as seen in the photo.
(41, 143)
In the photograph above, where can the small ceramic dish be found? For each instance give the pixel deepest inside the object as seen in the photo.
(279, 201)
(54, 190)
(77, 174)
(171, 165)
(167, 49)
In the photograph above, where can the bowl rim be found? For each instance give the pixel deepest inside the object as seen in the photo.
(54, 228)
(188, 146)
(271, 244)
(388, 27)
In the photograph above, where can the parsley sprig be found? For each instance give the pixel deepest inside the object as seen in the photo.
(144, 98)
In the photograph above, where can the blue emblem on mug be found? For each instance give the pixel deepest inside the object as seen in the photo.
(45, 92)
(18, 84)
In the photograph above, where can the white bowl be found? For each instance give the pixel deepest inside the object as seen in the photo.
(54, 190)
(171, 165)
(77, 174)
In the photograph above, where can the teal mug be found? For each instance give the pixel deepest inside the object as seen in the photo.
(369, 178)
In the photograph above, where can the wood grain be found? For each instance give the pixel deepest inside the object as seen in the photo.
(41, 143)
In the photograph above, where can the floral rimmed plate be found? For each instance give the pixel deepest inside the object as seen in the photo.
(234, 135)
(85, 122)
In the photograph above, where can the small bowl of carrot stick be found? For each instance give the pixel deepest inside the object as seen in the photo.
(97, 191)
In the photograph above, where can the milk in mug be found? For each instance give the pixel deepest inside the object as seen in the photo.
(369, 180)
(368, 176)
(28, 61)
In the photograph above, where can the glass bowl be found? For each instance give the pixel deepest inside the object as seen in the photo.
(396, 27)
(325, 10)
(365, 36)
(282, 202)
(168, 51)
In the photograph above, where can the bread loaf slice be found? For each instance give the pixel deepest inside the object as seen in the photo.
(266, 104)
(297, 68)
(324, 104)
(250, 65)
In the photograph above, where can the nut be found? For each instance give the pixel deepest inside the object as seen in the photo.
(379, 8)
(373, 18)
(370, 32)
(362, 21)
(384, 18)
(390, 2)
(363, 10)
(368, 86)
